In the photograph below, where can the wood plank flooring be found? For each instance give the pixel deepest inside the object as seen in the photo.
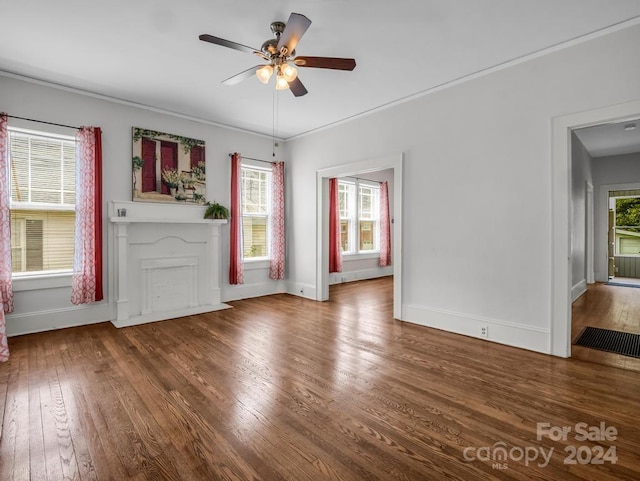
(283, 388)
(608, 307)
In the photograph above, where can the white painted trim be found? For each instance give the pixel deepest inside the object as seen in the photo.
(36, 283)
(52, 319)
(360, 275)
(247, 291)
(167, 315)
(390, 161)
(502, 332)
(300, 289)
(480, 73)
(129, 103)
(578, 289)
(590, 247)
(560, 339)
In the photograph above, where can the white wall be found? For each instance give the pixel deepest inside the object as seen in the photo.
(616, 172)
(477, 186)
(47, 308)
(580, 177)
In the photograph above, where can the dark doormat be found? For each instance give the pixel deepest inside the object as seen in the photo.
(621, 284)
(608, 340)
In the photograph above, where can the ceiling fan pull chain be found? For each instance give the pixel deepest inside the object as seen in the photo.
(273, 121)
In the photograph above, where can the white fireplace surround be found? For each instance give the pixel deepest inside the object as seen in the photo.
(166, 261)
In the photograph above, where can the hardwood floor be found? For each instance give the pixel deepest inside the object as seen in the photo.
(608, 307)
(283, 388)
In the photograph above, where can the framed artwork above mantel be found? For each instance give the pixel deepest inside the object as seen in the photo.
(167, 168)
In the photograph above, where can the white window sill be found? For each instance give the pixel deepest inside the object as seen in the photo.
(251, 264)
(41, 281)
(357, 257)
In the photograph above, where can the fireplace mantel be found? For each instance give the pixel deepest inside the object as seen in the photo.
(163, 272)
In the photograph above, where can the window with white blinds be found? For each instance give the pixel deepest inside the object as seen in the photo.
(42, 179)
(256, 207)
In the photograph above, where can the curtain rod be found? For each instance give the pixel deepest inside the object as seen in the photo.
(257, 160)
(42, 122)
(362, 178)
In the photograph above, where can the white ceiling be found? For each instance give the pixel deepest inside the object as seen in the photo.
(148, 52)
(611, 138)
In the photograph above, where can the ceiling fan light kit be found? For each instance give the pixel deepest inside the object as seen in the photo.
(264, 73)
(279, 52)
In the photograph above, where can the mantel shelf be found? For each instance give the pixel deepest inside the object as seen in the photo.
(155, 220)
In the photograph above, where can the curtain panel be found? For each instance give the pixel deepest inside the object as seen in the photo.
(87, 262)
(385, 226)
(236, 269)
(335, 250)
(6, 286)
(276, 264)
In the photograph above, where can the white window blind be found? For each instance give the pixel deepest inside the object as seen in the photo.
(42, 179)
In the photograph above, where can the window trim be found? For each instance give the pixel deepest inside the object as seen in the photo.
(616, 242)
(33, 281)
(262, 261)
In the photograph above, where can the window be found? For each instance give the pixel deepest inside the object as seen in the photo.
(256, 207)
(359, 217)
(42, 179)
(626, 225)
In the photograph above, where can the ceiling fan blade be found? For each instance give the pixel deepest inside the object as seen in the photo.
(237, 78)
(297, 25)
(297, 88)
(326, 62)
(228, 43)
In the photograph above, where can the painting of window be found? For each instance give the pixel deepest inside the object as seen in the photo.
(167, 168)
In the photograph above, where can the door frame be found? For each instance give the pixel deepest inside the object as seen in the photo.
(391, 161)
(560, 325)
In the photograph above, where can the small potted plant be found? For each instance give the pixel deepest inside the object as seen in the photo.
(188, 182)
(171, 177)
(216, 211)
(198, 171)
(137, 164)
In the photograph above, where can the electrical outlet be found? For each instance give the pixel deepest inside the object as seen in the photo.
(484, 331)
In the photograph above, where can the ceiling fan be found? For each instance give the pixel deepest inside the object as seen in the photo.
(280, 54)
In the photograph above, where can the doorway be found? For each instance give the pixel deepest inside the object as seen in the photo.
(562, 205)
(360, 168)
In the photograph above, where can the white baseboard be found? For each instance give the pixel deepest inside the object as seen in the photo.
(247, 291)
(350, 276)
(579, 289)
(166, 315)
(32, 322)
(503, 332)
(299, 289)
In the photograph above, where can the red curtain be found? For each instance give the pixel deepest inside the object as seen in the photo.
(87, 263)
(385, 226)
(276, 264)
(236, 271)
(6, 286)
(335, 250)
